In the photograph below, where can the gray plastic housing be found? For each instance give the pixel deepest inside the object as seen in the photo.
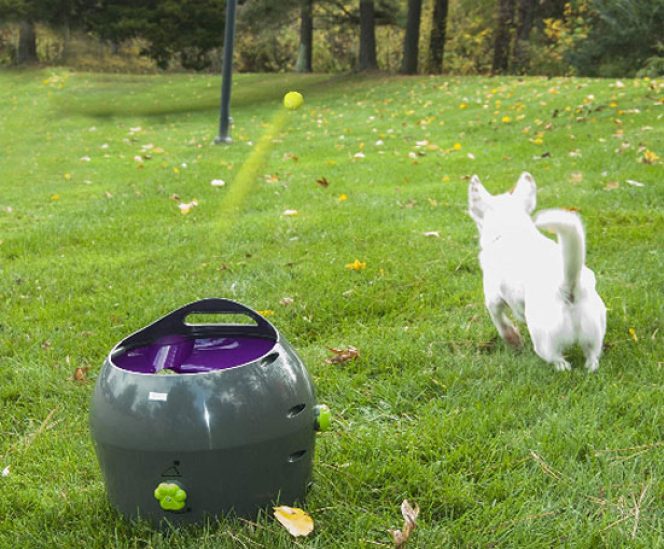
(235, 440)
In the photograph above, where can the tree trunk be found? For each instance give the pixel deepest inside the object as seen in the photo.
(412, 39)
(501, 48)
(305, 54)
(66, 39)
(27, 44)
(367, 55)
(524, 25)
(437, 38)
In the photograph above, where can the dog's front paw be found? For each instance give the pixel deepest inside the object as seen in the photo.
(562, 365)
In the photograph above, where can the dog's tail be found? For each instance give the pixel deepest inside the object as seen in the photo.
(567, 226)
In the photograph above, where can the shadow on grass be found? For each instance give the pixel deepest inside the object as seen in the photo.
(137, 97)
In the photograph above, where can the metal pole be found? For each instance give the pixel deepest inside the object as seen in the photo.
(227, 71)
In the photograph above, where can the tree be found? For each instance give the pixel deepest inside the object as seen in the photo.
(438, 33)
(367, 54)
(621, 36)
(189, 29)
(501, 49)
(412, 38)
(305, 53)
(525, 14)
(29, 12)
(26, 53)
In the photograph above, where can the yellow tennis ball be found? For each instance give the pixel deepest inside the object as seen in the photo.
(293, 100)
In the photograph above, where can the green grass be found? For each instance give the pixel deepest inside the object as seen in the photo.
(497, 448)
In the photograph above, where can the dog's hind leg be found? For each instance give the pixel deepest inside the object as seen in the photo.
(546, 351)
(506, 328)
(591, 351)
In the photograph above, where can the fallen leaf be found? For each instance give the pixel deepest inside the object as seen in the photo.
(342, 355)
(649, 157)
(5, 471)
(186, 207)
(359, 155)
(343, 197)
(612, 185)
(409, 514)
(632, 334)
(285, 301)
(356, 265)
(576, 177)
(323, 182)
(266, 312)
(433, 234)
(217, 182)
(80, 374)
(635, 183)
(290, 213)
(295, 520)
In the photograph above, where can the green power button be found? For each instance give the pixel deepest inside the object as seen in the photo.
(171, 496)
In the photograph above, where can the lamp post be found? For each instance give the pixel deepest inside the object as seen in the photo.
(227, 71)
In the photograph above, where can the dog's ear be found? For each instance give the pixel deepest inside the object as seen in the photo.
(478, 200)
(526, 192)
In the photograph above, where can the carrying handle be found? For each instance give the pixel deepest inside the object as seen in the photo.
(174, 323)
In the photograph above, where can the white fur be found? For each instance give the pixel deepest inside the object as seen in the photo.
(544, 283)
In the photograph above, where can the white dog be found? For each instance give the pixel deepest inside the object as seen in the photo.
(545, 284)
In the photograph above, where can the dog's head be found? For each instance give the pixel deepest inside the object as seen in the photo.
(491, 213)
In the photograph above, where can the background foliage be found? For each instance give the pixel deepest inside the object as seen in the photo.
(580, 37)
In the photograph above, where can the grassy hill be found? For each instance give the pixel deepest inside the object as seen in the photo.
(496, 448)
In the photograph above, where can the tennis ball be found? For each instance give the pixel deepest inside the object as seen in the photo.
(293, 100)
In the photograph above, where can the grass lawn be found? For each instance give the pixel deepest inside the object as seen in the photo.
(496, 448)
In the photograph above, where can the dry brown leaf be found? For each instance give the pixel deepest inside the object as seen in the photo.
(323, 182)
(295, 520)
(342, 355)
(80, 374)
(410, 514)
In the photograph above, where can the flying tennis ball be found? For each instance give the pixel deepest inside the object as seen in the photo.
(293, 100)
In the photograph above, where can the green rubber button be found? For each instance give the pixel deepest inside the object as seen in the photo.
(171, 496)
(323, 418)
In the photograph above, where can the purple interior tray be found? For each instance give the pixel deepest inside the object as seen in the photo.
(185, 355)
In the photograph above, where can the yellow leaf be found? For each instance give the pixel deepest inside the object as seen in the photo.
(463, 106)
(632, 334)
(505, 119)
(67, 176)
(343, 197)
(457, 146)
(266, 312)
(356, 265)
(55, 197)
(649, 157)
(295, 520)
